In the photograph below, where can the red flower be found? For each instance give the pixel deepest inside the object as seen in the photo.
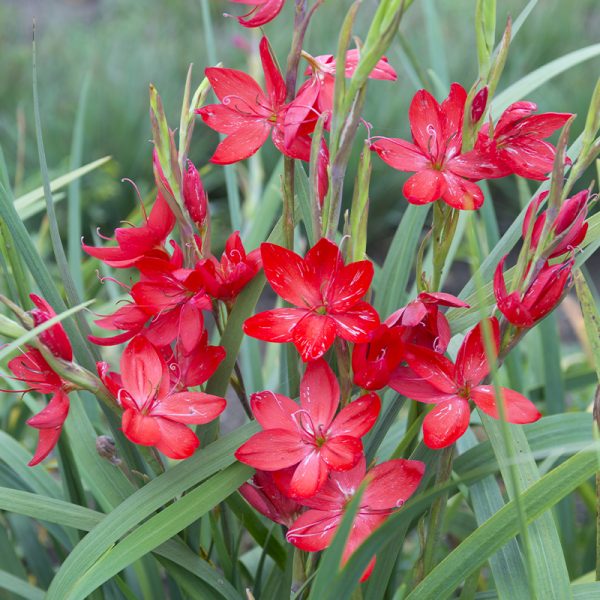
(195, 368)
(373, 362)
(55, 338)
(441, 170)
(268, 500)
(541, 297)
(327, 295)
(422, 322)
(263, 12)
(516, 144)
(154, 415)
(226, 279)
(311, 436)
(432, 378)
(315, 95)
(176, 298)
(137, 242)
(569, 226)
(389, 485)
(247, 115)
(129, 318)
(31, 368)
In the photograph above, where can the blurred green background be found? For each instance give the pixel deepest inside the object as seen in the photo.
(122, 46)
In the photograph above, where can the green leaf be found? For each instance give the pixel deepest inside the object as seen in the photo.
(140, 505)
(154, 532)
(33, 202)
(74, 214)
(473, 552)
(18, 586)
(507, 564)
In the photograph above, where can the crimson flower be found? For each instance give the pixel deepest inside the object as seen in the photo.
(155, 415)
(268, 499)
(311, 436)
(516, 144)
(263, 12)
(31, 368)
(441, 170)
(569, 225)
(432, 378)
(247, 115)
(422, 322)
(176, 298)
(541, 297)
(226, 279)
(137, 242)
(327, 296)
(194, 368)
(388, 486)
(315, 95)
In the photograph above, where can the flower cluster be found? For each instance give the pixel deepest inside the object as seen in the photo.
(309, 454)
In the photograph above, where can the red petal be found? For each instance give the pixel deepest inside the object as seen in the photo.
(265, 11)
(313, 336)
(323, 260)
(274, 411)
(274, 325)
(272, 450)
(425, 123)
(452, 110)
(442, 299)
(273, 79)
(357, 324)
(406, 382)
(53, 414)
(342, 452)
(176, 440)
(289, 276)
(424, 187)
(400, 154)
(314, 530)
(161, 219)
(309, 476)
(242, 144)
(357, 418)
(446, 423)
(472, 363)
(461, 194)
(392, 483)
(319, 393)
(190, 407)
(144, 371)
(47, 439)
(529, 157)
(349, 285)
(432, 367)
(237, 90)
(517, 408)
(140, 429)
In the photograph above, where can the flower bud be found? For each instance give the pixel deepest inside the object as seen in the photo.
(194, 195)
(479, 104)
(569, 227)
(542, 296)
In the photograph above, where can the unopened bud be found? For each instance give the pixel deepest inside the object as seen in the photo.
(479, 104)
(194, 195)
